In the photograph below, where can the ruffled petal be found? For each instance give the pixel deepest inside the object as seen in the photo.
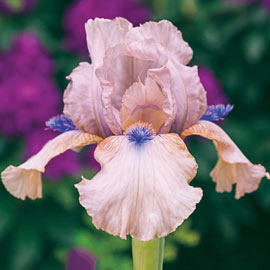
(179, 92)
(196, 95)
(102, 34)
(165, 33)
(123, 65)
(187, 88)
(25, 180)
(142, 189)
(143, 103)
(189, 94)
(127, 63)
(162, 77)
(232, 166)
(82, 99)
(146, 48)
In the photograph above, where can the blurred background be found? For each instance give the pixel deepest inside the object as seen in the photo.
(41, 42)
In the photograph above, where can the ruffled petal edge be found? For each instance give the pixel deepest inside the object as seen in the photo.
(25, 180)
(232, 166)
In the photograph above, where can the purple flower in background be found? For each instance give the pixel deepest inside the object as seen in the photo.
(26, 103)
(18, 6)
(90, 160)
(82, 10)
(213, 89)
(2, 67)
(265, 3)
(28, 96)
(27, 57)
(65, 164)
(80, 259)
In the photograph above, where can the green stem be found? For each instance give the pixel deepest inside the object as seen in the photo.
(148, 255)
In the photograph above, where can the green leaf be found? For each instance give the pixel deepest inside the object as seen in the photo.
(26, 248)
(255, 46)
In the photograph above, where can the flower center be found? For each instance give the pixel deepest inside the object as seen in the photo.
(140, 132)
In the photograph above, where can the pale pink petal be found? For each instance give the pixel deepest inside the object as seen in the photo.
(25, 180)
(22, 183)
(179, 92)
(141, 190)
(196, 95)
(111, 113)
(232, 166)
(185, 95)
(102, 34)
(143, 103)
(127, 63)
(123, 65)
(187, 88)
(82, 99)
(165, 33)
(189, 94)
(162, 77)
(144, 49)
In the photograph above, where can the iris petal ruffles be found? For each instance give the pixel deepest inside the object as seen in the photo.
(232, 166)
(25, 180)
(138, 74)
(141, 190)
(144, 103)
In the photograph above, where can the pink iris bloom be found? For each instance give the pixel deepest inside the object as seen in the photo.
(138, 100)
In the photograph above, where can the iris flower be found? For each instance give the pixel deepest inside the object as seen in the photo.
(138, 100)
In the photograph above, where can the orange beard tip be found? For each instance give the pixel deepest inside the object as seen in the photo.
(141, 123)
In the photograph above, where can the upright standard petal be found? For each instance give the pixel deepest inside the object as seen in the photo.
(162, 77)
(232, 166)
(189, 94)
(143, 186)
(187, 89)
(143, 103)
(82, 97)
(165, 33)
(123, 65)
(196, 95)
(102, 34)
(25, 180)
(82, 101)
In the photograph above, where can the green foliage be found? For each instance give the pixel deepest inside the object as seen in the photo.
(109, 250)
(184, 235)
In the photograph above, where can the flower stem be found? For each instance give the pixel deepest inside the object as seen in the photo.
(148, 255)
